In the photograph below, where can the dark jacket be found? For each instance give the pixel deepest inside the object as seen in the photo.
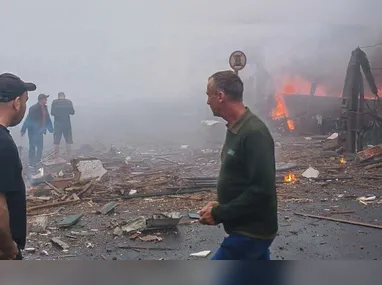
(34, 124)
(247, 180)
(61, 111)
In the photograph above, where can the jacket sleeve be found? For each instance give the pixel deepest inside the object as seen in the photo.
(71, 109)
(53, 110)
(49, 124)
(26, 123)
(259, 162)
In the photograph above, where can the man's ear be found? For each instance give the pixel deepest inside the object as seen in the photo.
(221, 97)
(17, 104)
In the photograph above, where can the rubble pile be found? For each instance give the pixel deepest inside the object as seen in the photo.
(137, 200)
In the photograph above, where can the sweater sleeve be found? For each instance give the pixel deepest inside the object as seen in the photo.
(258, 157)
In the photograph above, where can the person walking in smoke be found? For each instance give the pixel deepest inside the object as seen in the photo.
(62, 109)
(37, 123)
(247, 200)
(13, 220)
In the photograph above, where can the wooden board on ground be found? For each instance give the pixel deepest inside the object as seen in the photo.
(70, 221)
(108, 208)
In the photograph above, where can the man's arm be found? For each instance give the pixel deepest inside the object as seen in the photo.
(25, 124)
(49, 124)
(259, 163)
(8, 248)
(71, 108)
(53, 110)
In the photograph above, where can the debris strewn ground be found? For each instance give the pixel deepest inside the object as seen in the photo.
(140, 203)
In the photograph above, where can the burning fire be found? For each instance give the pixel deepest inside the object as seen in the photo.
(290, 177)
(292, 85)
(342, 160)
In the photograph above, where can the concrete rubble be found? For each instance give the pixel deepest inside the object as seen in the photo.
(122, 203)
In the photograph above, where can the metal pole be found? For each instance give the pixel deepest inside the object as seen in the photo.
(361, 109)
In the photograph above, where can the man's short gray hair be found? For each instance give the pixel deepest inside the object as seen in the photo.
(229, 83)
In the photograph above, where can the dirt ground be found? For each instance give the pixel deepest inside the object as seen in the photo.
(334, 194)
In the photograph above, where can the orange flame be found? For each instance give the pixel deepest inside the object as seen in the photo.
(290, 177)
(342, 160)
(292, 85)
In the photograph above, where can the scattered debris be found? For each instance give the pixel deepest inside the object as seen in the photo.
(86, 169)
(59, 243)
(164, 220)
(124, 246)
(150, 238)
(30, 250)
(70, 221)
(201, 254)
(39, 224)
(340, 220)
(333, 136)
(134, 225)
(311, 173)
(108, 208)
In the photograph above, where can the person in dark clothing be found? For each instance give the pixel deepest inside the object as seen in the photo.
(247, 201)
(62, 109)
(13, 222)
(36, 123)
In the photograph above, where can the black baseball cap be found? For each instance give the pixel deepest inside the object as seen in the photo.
(12, 87)
(42, 96)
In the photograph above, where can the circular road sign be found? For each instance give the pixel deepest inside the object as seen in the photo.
(237, 60)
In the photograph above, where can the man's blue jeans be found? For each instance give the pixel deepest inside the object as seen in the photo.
(239, 247)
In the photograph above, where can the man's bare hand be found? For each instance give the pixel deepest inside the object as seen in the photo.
(205, 208)
(9, 254)
(207, 218)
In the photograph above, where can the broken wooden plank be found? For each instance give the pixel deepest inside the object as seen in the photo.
(59, 243)
(341, 212)
(369, 153)
(75, 197)
(339, 220)
(180, 192)
(108, 208)
(331, 178)
(124, 246)
(59, 191)
(51, 205)
(375, 165)
(87, 188)
(70, 221)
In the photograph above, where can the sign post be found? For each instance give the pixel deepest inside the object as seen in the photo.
(237, 61)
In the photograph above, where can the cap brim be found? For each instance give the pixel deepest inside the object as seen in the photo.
(30, 86)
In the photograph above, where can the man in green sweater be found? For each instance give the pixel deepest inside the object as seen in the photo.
(247, 200)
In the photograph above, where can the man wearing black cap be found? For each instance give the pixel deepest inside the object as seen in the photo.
(13, 98)
(62, 109)
(37, 122)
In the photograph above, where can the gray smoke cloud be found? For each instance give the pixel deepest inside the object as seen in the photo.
(132, 68)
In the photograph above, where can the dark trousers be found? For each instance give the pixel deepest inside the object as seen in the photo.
(36, 144)
(239, 247)
(244, 251)
(19, 256)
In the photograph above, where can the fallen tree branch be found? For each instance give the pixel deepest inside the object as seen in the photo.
(340, 220)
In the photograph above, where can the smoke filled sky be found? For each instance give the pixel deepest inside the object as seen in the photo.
(100, 51)
(110, 49)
